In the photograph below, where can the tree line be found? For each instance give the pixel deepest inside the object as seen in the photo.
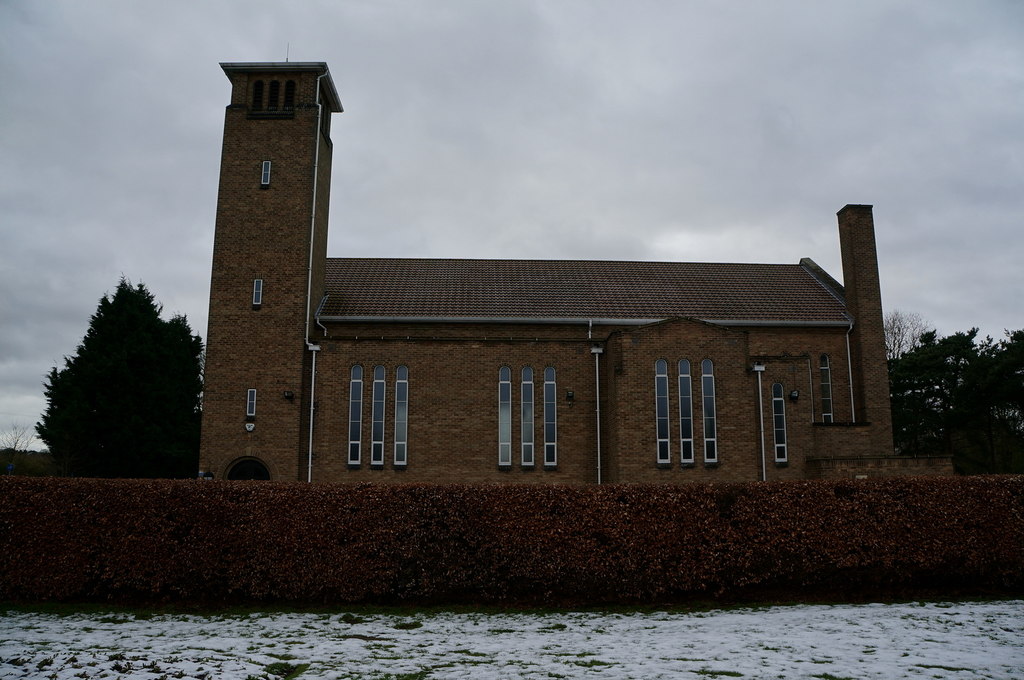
(957, 395)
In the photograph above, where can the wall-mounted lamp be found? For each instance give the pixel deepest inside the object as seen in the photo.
(289, 395)
(758, 367)
(570, 397)
(794, 395)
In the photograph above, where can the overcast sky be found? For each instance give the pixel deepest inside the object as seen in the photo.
(689, 131)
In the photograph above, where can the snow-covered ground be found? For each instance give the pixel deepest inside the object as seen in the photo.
(926, 640)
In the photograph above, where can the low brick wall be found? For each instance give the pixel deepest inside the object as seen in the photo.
(867, 467)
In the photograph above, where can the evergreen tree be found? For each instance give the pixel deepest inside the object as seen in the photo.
(128, 403)
(963, 397)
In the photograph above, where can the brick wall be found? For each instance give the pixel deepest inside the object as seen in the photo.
(263, 233)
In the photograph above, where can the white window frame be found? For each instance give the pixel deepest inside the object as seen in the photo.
(685, 413)
(265, 174)
(779, 423)
(378, 395)
(355, 415)
(504, 416)
(825, 372)
(250, 403)
(707, 391)
(257, 292)
(661, 420)
(401, 416)
(527, 450)
(550, 418)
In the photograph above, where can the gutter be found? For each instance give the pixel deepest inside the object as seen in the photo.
(570, 321)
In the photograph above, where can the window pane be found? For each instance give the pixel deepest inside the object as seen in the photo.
(526, 417)
(355, 415)
(550, 418)
(401, 414)
(707, 383)
(504, 416)
(377, 429)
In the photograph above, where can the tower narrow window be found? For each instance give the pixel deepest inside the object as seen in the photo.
(779, 413)
(526, 417)
(826, 390)
(707, 387)
(401, 415)
(685, 413)
(273, 94)
(550, 418)
(257, 293)
(505, 416)
(257, 96)
(661, 410)
(355, 414)
(289, 95)
(265, 175)
(250, 404)
(377, 427)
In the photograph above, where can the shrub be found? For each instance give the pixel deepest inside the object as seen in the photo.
(229, 542)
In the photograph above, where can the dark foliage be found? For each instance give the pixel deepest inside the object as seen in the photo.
(963, 397)
(244, 542)
(127, 403)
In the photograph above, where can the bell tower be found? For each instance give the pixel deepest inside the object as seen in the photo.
(269, 255)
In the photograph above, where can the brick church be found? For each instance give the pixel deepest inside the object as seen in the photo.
(515, 371)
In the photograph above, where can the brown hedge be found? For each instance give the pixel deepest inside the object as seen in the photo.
(232, 542)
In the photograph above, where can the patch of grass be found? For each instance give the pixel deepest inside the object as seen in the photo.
(282, 657)
(944, 668)
(592, 663)
(283, 669)
(415, 675)
(829, 676)
(408, 625)
(350, 618)
(717, 674)
(554, 626)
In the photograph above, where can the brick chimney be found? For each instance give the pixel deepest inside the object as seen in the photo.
(870, 372)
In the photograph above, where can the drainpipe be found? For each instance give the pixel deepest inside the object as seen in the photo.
(597, 350)
(309, 275)
(312, 411)
(759, 369)
(849, 372)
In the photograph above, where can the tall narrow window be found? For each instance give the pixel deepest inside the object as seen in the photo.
(250, 404)
(355, 415)
(257, 293)
(505, 416)
(707, 387)
(826, 390)
(377, 427)
(401, 415)
(779, 413)
(685, 413)
(526, 417)
(257, 96)
(275, 90)
(550, 418)
(265, 174)
(289, 95)
(661, 409)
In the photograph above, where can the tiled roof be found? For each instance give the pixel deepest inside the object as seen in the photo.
(576, 289)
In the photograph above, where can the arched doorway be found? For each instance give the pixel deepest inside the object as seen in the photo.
(249, 468)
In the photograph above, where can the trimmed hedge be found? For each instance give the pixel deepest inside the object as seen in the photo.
(190, 541)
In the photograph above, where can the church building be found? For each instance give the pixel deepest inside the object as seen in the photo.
(327, 369)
